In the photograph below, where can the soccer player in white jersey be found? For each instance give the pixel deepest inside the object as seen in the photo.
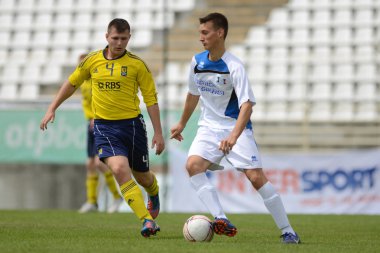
(218, 79)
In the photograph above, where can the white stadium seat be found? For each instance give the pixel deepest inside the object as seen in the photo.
(366, 111)
(29, 90)
(64, 5)
(41, 39)
(85, 4)
(320, 91)
(52, 74)
(6, 21)
(276, 111)
(343, 111)
(83, 21)
(43, 21)
(300, 18)
(31, 73)
(299, 4)
(45, 5)
(342, 18)
(321, 18)
(141, 38)
(321, 36)
(300, 37)
(62, 22)
(297, 73)
(320, 73)
(8, 91)
(297, 91)
(279, 18)
(342, 54)
(257, 36)
(343, 73)
(366, 73)
(4, 39)
(296, 111)
(341, 4)
(366, 91)
(278, 73)
(11, 74)
(18, 56)
(364, 54)
(344, 91)
(38, 56)
(21, 39)
(23, 21)
(26, 5)
(61, 39)
(320, 111)
(277, 91)
(8, 5)
(278, 37)
(364, 35)
(80, 39)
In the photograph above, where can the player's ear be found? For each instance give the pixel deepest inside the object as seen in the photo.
(220, 33)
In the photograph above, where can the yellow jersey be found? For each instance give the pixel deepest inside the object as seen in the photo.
(85, 89)
(115, 84)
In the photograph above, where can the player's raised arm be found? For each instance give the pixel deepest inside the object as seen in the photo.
(190, 105)
(66, 90)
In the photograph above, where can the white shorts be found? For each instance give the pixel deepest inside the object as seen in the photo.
(244, 154)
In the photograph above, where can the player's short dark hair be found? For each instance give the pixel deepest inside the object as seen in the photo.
(218, 20)
(82, 56)
(121, 25)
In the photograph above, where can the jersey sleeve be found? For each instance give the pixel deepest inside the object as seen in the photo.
(193, 89)
(241, 84)
(81, 73)
(147, 86)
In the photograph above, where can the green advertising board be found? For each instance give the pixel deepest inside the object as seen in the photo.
(64, 142)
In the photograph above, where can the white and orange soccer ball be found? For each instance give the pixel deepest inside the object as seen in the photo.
(198, 228)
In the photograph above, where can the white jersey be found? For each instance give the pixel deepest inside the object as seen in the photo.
(223, 87)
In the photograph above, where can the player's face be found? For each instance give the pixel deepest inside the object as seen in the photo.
(117, 42)
(209, 36)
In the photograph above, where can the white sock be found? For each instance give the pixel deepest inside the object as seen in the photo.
(207, 193)
(276, 208)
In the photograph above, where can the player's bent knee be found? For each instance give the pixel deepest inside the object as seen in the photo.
(193, 169)
(256, 176)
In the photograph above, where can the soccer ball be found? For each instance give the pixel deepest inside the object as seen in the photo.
(198, 228)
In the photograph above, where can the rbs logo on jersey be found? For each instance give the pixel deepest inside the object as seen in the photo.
(109, 86)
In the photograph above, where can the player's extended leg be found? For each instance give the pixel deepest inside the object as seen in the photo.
(149, 182)
(196, 167)
(92, 181)
(273, 203)
(132, 193)
(111, 184)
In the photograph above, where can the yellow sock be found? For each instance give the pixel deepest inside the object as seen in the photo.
(133, 196)
(153, 189)
(92, 188)
(111, 184)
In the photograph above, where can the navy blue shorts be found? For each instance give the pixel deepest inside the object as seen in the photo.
(125, 137)
(91, 148)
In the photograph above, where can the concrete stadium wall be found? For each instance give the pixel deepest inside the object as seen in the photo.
(42, 186)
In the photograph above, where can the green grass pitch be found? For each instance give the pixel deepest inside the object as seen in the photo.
(67, 231)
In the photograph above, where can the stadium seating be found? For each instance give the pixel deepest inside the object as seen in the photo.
(315, 61)
(46, 32)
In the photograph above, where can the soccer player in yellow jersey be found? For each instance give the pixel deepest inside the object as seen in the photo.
(119, 128)
(93, 163)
